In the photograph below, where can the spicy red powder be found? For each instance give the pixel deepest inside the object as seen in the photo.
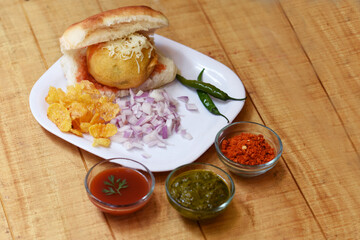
(248, 149)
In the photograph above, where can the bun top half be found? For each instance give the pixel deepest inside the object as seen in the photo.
(111, 25)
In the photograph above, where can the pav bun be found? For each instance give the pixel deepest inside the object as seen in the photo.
(115, 50)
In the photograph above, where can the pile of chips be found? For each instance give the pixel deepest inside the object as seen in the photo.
(82, 109)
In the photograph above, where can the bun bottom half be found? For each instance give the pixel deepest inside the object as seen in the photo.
(75, 69)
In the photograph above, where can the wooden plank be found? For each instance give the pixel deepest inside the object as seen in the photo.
(328, 32)
(41, 176)
(332, 44)
(250, 207)
(49, 19)
(286, 90)
(5, 232)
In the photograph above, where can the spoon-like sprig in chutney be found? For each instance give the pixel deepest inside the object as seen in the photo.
(114, 186)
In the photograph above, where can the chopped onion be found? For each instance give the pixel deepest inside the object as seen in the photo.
(184, 99)
(148, 118)
(189, 106)
(146, 155)
(185, 134)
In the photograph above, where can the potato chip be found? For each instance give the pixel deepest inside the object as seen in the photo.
(76, 124)
(89, 88)
(77, 110)
(84, 127)
(72, 93)
(102, 130)
(76, 132)
(59, 115)
(83, 109)
(103, 99)
(55, 95)
(108, 110)
(88, 100)
(87, 117)
(96, 119)
(105, 142)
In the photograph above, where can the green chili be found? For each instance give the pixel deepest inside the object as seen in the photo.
(208, 88)
(207, 101)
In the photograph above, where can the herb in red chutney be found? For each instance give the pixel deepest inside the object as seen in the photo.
(114, 186)
(119, 186)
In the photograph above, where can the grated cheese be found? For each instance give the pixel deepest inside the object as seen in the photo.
(125, 48)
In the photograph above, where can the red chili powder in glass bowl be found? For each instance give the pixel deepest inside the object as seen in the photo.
(248, 149)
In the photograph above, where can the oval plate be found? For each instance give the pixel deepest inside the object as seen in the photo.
(202, 125)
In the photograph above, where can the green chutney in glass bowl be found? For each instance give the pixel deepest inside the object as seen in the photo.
(199, 191)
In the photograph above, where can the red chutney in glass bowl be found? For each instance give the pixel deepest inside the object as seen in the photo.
(119, 186)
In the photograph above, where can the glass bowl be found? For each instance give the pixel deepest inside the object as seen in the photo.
(140, 177)
(237, 128)
(199, 214)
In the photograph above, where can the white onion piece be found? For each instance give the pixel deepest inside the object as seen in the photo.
(147, 118)
(146, 108)
(146, 155)
(185, 134)
(191, 107)
(184, 99)
(156, 94)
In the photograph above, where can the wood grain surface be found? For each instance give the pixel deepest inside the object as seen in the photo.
(299, 63)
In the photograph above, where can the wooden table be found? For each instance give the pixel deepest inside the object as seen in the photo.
(300, 64)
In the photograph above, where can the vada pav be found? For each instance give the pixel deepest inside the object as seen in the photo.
(115, 50)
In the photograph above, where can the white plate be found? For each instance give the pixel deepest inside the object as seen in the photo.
(202, 125)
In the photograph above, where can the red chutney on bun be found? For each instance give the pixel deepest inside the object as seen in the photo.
(115, 50)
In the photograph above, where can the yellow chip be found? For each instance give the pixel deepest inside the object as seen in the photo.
(103, 99)
(89, 88)
(77, 110)
(76, 124)
(96, 119)
(83, 109)
(108, 110)
(55, 95)
(59, 115)
(84, 127)
(76, 132)
(88, 101)
(105, 142)
(73, 93)
(87, 117)
(102, 130)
